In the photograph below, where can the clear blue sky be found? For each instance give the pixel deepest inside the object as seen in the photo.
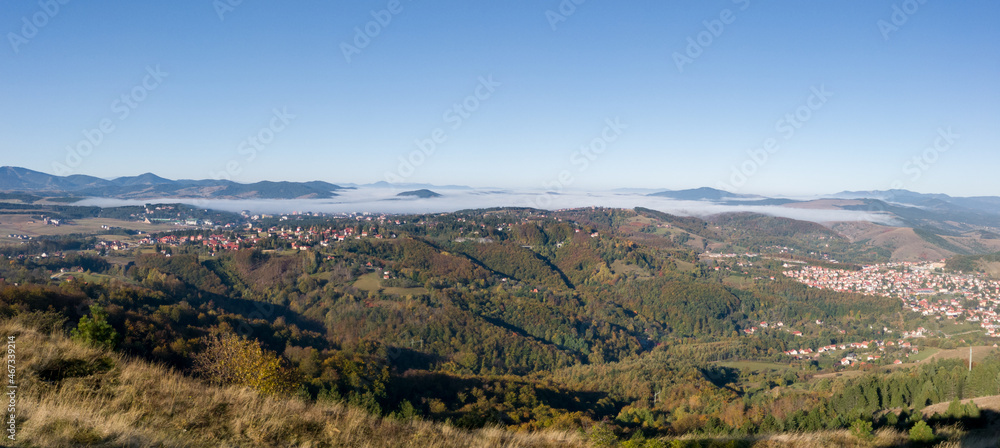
(557, 89)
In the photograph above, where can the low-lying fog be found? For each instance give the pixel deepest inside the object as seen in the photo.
(384, 200)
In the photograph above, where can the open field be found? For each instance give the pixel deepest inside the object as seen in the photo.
(924, 353)
(843, 374)
(415, 291)
(954, 327)
(978, 353)
(26, 225)
(620, 267)
(684, 265)
(738, 281)
(371, 282)
(368, 282)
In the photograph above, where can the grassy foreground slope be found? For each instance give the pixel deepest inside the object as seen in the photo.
(71, 394)
(75, 395)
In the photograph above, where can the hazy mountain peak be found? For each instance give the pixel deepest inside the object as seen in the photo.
(703, 194)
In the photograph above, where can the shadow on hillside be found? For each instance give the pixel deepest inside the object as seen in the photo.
(988, 418)
(455, 391)
(722, 376)
(254, 310)
(405, 359)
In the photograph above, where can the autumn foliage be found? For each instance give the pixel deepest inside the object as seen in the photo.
(229, 359)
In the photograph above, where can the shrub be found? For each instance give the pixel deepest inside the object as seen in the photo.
(96, 330)
(921, 432)
(229, 359)
(862, 429)
(602, 435)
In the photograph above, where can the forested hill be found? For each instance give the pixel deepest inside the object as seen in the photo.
(516, 317)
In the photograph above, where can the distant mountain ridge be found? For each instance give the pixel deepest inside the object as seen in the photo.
(930, 202)
(151, 186)
(919, 209)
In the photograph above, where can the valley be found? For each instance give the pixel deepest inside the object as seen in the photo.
(636, 323)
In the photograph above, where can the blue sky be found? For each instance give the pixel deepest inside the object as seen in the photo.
(278, 71)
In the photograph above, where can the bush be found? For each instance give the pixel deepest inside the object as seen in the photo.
(229, 359)
(891, 419)
(96, 330)
(602, 435)
(955, 409)
(972, 410)
(921, 432)
(862, 429)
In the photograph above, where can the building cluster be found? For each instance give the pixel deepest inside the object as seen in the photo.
(714, 255)
(299, 238)
(854, 346)
(922, 287)
(112, 245)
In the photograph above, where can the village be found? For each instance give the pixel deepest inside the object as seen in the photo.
(850, 357)
(922, 287)
(256, 234)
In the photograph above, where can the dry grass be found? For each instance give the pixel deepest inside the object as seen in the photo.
(979, 353)
(822, 439)
(948, 437)
(831, 439)
(73, 395)
(991, 402)
(137, 404)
